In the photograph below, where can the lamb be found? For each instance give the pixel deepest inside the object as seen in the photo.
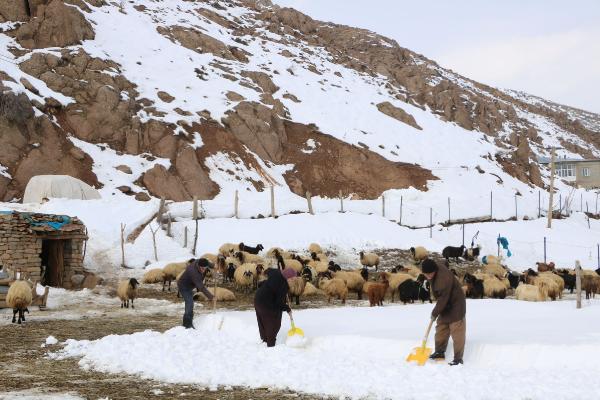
(395, 280)
(19, 298)
(228, 249)
(155, 275)
(222, 294)
(297, 286)
(527, 292)
(354, 282)
(250, 249)
(556, 278)
(475, 289)
(334, 288)
(453, 252)
(411, 290)
(419, 253)
(543, 267)
(366, 287)
(369, 259)
(172, 270)
(377, 291)
(127, 290)
(314, 248)
(274, 251)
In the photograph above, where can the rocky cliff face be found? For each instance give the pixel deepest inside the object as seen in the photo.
(250, 82)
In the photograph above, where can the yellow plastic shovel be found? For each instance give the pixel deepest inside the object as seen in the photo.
(294, 330)
(421, 354)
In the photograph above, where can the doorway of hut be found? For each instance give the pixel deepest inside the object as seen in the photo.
(53, 262)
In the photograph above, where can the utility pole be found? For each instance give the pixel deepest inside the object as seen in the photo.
(552, 171)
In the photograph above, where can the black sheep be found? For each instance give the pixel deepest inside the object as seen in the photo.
(230, 272)
(474, 287)
(453, 252)
(410, 290)
(333, 267)
(569, 280)
(306, 274)
(364, 272)
(251, 250)
(513, 278)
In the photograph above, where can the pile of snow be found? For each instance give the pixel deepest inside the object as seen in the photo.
(515, 350)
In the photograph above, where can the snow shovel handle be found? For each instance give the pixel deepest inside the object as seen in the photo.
(292, 320)
(427, 331)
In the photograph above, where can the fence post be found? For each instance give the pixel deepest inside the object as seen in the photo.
(341, 202)
(272, 201)
(161, 210)
(309, 201)
(598, 247)
(169, 225)
(560, 203)
(544, 249)
(123, 245)
(596, 203)
(383, 206)
(498, 245)
(539, 204)
(401, 201)
(449, 210)
(185, 234)
(236, 201)
(430, 223)
(578, 282)
(195, 216)
(516, 209)
(581, 202)
(491, 206)
(463, 229)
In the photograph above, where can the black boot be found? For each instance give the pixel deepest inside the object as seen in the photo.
(438, 355)
(187, 323)
(456, 362)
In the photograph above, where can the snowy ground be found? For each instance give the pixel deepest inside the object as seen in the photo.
(515, 350)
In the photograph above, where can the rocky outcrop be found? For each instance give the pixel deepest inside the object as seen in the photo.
(262, 80)
(197, 41)
(55, 25)
(194, 176)
(397, 113)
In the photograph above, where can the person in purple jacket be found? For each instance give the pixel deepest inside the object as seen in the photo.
(193, 278)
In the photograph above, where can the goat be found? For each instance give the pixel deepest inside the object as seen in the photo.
(251, 250)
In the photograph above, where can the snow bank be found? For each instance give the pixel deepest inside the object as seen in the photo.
(360, 352)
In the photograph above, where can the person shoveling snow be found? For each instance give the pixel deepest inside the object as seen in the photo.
(270, 302)
(193, 278)
(450, 311)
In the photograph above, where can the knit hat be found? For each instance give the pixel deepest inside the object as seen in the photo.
(429, 266)
(203, 262)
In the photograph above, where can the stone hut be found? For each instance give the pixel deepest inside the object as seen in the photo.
(47, 248)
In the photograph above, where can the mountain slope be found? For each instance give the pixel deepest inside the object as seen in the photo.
(214, 97)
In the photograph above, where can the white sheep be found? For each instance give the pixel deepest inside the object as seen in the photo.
(369, 259)
(213, 258)
(395, 280)
(495, 269)
(296, 288)
(19, 297)
(171, 271)
(222, 294)
(527, 292)
(557, 279)
(334, 288)
(353, 280)
(228, 249)
(245, 276)
(272, 253)
(127, 290)
(290, 263)
(318, 266)
(246, 257)
(314, 248)
(310, 290)
(155, 275)
(492, 286)
(419, 253)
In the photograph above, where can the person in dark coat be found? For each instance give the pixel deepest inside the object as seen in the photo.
(270, 302)
(450, 310)
(193, 278)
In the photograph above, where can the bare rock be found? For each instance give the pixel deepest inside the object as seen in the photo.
(141, 196)
(197, 41)
(164, 96)
(124, 168)
(125, 190)
(398, 114)
(55, 25)
(262, 80)
(194, 177)
(13, 11)
(291, 97)
(160, 182)
(233, 96)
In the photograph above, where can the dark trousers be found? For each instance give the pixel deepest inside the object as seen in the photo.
(269, 323)
(188, 315)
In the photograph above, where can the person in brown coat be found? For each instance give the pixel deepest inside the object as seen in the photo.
(450, 310)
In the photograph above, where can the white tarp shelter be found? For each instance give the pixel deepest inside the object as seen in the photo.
(58, 186)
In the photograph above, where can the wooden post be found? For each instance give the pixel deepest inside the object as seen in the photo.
(309, 201)
(169, 225)
(544, 249)
(552, 171)
(154, 240)
(596, 203)
(84, 246)
(401, 201)
(430, 223)
(516, 209)
(272, 201)
(539, 204)
(598, 251)
(185, 234)
(491, 205)
(383, 206)
(195, 217)
(581, 202)
(463, 229)
(161, 210)
(587, 209)
(560, 203)
(498, 245)
(341, 202)
(236, 200)
(123, 244)
(448, 210)
(578, 282)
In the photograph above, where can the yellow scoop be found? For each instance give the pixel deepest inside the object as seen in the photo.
(421, 354)
(294, 330)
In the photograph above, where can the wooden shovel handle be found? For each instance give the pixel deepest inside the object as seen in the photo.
(427, 331)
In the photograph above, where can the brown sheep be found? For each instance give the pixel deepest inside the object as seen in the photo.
(543, 267)
(377, 291)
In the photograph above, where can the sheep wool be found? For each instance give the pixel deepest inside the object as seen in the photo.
(310, 290)
(155, 275)
(556, 278)
(19, 295)
(319, 266)
(495, 269)
(353, 280)
(293, 264)
(527, 292)
(369, 259)
(210, 257)
(395, 280)
(171, 270)
(244, 275)
(548, 285)
(273, 250)
(334, 288)
(314, 248)
(127, 290)
(227, 249)
(222, 294)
